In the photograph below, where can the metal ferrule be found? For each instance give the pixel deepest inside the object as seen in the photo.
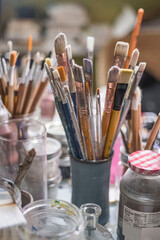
(109, 97)
(71, 80)
(11, 79)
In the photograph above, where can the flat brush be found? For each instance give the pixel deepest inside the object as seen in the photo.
(134, 59)
(12, 60)
(120, 54)
(112, 79)
(134, 36)
(60, 44)
(125, 75)
(153, 134)
(82, 110)
(90, 47)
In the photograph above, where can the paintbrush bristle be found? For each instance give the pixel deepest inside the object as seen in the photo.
(98, 91)
(78, 73)
(29, 43)
(142, 66)
(37, 57)
(60, 43)
(125, 75)
(121, 49)
(10, 46)
(13, 58)
(135, 101)
(134, 58)
(62, 73)
(87, 87)
(69, 52)
(90, 44)
(48, 61)
(56, 74)
(87, 66)
(113, 74)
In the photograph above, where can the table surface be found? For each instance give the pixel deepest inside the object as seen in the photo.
(64, 193)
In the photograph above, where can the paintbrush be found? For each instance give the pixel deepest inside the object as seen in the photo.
(134, 36)
(153, 134)
(82, 110)
(71, 80)
(120, 54)
(139, 119)
(29, 47)
(12, 60)
(135, 79)
(98, 126)
(125, 75)
(134, 59)
(135, 122)
(3, 79)
(90, 47)
(60, 44)
(112, 79)
(21, 95)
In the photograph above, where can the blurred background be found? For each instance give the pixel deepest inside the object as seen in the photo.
(108, 21)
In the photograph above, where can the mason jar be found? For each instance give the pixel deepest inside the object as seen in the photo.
(139, 206)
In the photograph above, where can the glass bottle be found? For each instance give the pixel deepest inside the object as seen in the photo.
(93, 230)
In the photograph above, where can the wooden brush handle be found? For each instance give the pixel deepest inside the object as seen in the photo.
(84, 122)
(105, 125)
(135, 129)
(20, 97)
(11, 99)
(39, 95)
(33, 93)
(115, 115)
(153, 134)
(28, 95)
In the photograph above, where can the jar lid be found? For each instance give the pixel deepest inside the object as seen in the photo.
(53, 148)
(145, 162)
(55, 130)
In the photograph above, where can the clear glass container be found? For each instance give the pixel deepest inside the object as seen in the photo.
(56, 220)
(139, 206)
(55, 130)
(53, 151)
(53, 184)
(17, 138)
(93, 230)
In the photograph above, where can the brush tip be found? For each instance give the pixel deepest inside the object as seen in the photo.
(125, 75)
(87, 87)
(56, 74)
(69, 52)
(98, 91)
(78, 73)
(142, 66)
(90, 43)
(87, 65)
(13, 58)
(113, 74)
(140, 11)
(60, 43)
(30, 43)
(62, 73)
(134, 58)
(48, 61)
(121, 49)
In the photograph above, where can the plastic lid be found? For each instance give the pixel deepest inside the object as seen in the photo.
(53, 148)
(145, 162)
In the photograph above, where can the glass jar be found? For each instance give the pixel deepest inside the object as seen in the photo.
(53, 184)
(55, 130)
(53, 151)
(93, 230)
(56, 220)
(139, 207)
(18, 137)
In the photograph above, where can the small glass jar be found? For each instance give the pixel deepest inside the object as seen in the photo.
(53, 184)
(53, 151)
(56, 220)
(139, 207)
(55, 130)
(93, 230)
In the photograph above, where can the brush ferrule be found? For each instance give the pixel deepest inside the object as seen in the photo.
(119, 61)
(109, 96)
(11, 79)
(71, 80)
(119, 96)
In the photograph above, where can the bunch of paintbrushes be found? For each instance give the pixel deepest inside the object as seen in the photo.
(91, 136)
(24, 97)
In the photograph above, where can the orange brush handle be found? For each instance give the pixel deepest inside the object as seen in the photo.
(115, 115)
(105, 125)
(134, 36)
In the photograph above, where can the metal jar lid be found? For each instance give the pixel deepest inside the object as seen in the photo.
(53, 148)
